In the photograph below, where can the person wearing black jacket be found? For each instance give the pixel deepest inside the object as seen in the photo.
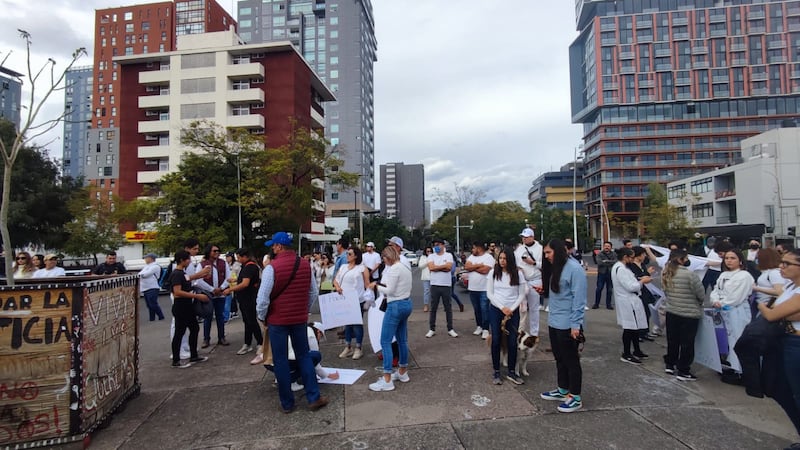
(110, 267)
(605, 261)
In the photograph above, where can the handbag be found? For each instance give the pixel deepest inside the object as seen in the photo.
(203, 309)
(384, 305)
(760, 335)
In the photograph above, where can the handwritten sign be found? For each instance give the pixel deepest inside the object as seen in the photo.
(337, 310)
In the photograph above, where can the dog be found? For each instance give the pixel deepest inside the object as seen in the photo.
(526, 345)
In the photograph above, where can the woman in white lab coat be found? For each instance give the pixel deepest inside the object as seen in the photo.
(730, 295)
(630, 310)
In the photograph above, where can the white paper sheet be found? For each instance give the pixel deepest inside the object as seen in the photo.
(346, 376)
(337, 310)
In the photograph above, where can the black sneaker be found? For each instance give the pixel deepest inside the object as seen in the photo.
(180, 365)
(630, 359)
(641, 355)
(514, 378)
(686, 376)
(198, 359)
(595, 306)
(670, 369)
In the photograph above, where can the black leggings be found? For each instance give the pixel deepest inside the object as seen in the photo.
(251, 325)
(183, 311)
(630, 337)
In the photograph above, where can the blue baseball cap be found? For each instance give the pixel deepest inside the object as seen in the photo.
(281, 237)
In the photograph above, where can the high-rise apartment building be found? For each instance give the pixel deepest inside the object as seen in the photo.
(125, 31)
(668, 88)
(77, 119)
(403, 193)
(337, 38)
(557, 189)
(10, 93)
(265, 88)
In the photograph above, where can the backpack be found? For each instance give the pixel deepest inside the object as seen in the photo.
(163, 280)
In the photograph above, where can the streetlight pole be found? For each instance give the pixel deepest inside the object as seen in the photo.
(239, 195)
(458, 227)
(574, 198)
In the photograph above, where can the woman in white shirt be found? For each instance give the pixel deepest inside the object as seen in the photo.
(630, 310)
(505, 288)
(730, 294)
(770, 283)
(425, 277)
(787, 307)
(351, 280)
(395, 285)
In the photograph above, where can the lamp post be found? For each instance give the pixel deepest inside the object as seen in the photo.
(239, 195)
(458, 227)
(574, 199)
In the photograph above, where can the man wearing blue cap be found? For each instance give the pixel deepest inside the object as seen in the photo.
(286, 293)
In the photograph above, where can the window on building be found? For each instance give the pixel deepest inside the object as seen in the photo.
(700, 186)
(702, 210)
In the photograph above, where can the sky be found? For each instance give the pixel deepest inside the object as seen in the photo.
(476, 91)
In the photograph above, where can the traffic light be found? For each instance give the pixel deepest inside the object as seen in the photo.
(792, 231)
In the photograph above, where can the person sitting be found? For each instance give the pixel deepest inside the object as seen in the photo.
(315, 334)
(23, 266)
(110, 266)
(51, 269)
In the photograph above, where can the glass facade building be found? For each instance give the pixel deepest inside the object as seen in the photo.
(78, 119)
(668, 88)
(337, 39)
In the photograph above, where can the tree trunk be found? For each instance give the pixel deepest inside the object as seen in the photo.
(7, 249)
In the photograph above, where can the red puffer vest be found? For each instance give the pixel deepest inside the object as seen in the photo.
(291, 306)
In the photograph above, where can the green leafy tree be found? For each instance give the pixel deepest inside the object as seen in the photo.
(277, 185)
(663, 222)
(38, 198)
(497, 222)
(557, 223)
(95, 225)
(41, 83)
(378, 229)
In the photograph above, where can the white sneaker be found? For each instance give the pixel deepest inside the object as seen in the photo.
(547, 308)
(586, 308)
(477, 331)
(541, 307)
(430, 333)
(297, 387)
(485, 334)
(245, 349)
(381, 385)
(357, 354)
(452, 333)
(404, 378)
(348, 351)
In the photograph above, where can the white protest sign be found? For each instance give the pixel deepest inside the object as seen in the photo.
(337, 310)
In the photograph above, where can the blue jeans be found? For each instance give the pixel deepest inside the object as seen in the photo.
(151, 300)
(426, 292)
(219, 309)
(279, 341)
(226, 313)
(395, 324)
(603, 280)
(480, 305)
(791, 364)
(495, 317)
(453, 294)
(354, 332)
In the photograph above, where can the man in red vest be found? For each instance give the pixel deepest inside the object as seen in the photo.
(287, 291)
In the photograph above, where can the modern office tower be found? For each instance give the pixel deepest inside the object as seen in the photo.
(337, 38)
(557, 189)
(403, 193)
(125, 31)
(77, 119)
(261, 87)
(10, 92)
(668, 88)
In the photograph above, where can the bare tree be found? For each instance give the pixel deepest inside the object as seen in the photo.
(29, 128)
(461, 196)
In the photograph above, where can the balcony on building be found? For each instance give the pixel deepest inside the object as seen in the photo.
(158, 100)
(776, 44)
(678, 21)
(725, 212)
(755, 15)
(150, 176)
(700, 50)
(245, 71)
(158, 124)
(153, 151)
(793, 11)
(739, 62)
(156, 76)
(245, 95)
(794, 26)
(680, 36)
(663, 67)
(760, 91)
(626, 55)
(241, 120)
(717, 16)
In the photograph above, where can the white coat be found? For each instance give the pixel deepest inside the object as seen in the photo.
(630, 310)
(732, 290)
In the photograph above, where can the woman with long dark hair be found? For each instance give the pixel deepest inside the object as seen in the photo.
(505, 288)
(183, 311)
(352, 279)
(630, 311)
(685, 295)
(565, 324)
(730, 295)
(245, 289)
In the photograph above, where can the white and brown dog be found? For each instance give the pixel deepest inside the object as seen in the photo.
(526, 345)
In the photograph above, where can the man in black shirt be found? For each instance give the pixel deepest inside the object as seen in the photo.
(110, 267)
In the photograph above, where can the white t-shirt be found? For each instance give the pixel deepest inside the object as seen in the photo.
(714, 256)
(371, 260)
(440, 278)
(789, 292)
(477, 280)
(768, 279)
(44, 273)
(351, 280)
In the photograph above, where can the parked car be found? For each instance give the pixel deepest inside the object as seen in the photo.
(463, 278)
(412, 257)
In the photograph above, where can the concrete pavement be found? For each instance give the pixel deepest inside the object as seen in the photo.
(450, 401)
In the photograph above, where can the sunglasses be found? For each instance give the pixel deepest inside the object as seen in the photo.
(22, 259)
